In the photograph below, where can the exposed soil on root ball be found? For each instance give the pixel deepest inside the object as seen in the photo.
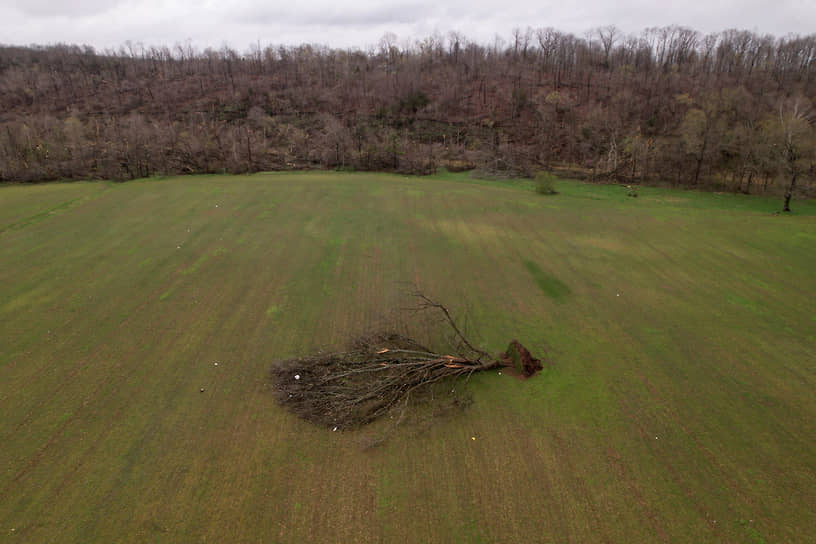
(519, 358)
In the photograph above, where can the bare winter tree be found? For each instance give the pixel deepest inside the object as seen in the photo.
(796, 124)
(540, 99)
(608, 36)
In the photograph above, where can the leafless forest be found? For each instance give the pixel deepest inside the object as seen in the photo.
(731, 111)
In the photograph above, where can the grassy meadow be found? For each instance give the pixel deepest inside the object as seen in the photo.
(679, 405)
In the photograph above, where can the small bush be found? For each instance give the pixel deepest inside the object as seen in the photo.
(544, 184)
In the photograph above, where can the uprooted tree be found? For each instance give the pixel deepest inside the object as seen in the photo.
(379, 371)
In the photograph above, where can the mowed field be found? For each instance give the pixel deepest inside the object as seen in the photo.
(679, 406)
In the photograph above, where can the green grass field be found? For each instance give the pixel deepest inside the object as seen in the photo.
(680, 405)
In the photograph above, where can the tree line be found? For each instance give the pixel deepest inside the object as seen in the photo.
(732, 110)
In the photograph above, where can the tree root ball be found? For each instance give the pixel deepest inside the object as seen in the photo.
(519, 358)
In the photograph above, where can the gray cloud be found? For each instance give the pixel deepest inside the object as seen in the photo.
(332, 16)
(49, 8)
(212, 23)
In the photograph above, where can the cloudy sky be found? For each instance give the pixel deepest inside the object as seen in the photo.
(359, 23)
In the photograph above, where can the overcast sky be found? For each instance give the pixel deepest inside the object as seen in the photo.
(360, 23)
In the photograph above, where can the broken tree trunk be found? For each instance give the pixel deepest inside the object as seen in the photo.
(351, 388)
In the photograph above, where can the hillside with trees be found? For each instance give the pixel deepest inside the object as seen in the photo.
(732, 110)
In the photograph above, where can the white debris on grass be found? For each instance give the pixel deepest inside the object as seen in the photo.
(334, 429)
(297, 376)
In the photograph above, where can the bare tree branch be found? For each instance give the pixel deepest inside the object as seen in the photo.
(378, 372)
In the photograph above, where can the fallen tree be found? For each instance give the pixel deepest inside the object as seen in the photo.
(377, 372)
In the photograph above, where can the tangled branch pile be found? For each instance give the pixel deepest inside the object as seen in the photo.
(360, 385)
(378, 372)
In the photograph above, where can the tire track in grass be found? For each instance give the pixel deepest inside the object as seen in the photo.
(39, 339)
(715, 249)
(93, 357)
(656, 400)
(361, 312)
(165, 332)
(318, 249)
(68, 379)
(33, 461)
(521, 305)
(537, 238)
(514, 235)
(725, 474)
(60, 431)
(410, 225)
(625, 476)
(447, 222)
(578, 483)
(175, 381)
(150, 298)
(693, 499)
(527, 464)
(344, 309)
(23, 257)
(78, 312)
(583, 520)
(359, 274)
(59, 209)
(174, 384)
(112, 419)
(415, 263)
(146, 434)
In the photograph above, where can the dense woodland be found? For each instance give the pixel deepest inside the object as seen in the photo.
(732, 110)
